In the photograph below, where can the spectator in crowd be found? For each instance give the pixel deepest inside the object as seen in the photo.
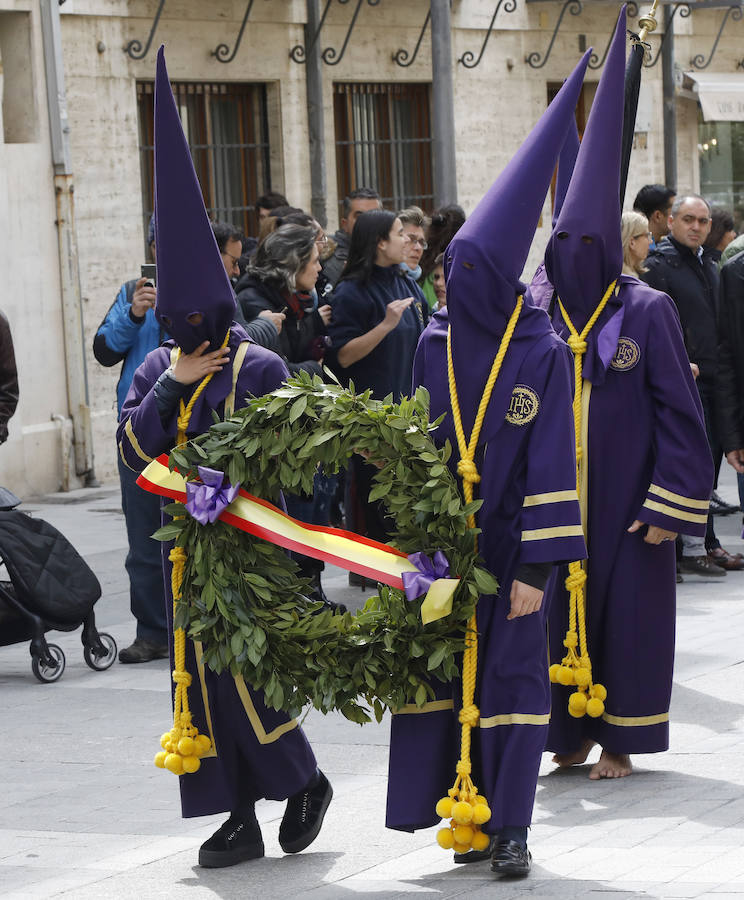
(736, 246)
(361, 200)
(415, 224)
(129, 331)
(444, 224)
(722, 232)
(680, 267)
(264, 328)
(268, 201)
(655, 202)
(280, 279)
(730, 371)
(8, 378)
(439, 283)
(378, 317)
(636, 241)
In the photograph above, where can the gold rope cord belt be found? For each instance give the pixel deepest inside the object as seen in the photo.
(466, 807)
(183, 746)
(576, 666)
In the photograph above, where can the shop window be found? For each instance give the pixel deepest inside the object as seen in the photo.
(721, 156)
(226, 126)
(383, 141)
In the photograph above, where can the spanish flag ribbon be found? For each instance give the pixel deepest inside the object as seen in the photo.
(373, 560)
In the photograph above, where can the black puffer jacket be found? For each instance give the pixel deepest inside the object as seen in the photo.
(302, 335)
(730, 372)
(693, 284)
(8, 378)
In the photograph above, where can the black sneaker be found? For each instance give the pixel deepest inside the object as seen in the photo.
(473, 856)
(304, 814)
(719, 507)
(700, 565)
(142, 651)
(237, 840)
(511, 859)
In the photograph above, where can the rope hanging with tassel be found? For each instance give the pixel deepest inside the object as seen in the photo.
(183, 746)
(576, 667)
(463, 805)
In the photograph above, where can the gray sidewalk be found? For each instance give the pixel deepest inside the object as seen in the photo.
(85, 814)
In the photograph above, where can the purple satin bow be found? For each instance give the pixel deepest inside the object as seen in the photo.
(416, 584)
(206, 501)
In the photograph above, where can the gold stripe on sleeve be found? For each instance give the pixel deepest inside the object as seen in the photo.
(514, 719)
(558, 531)
(635, 721)
(431, 706)
(135, 443)
(678, 498)
(123, 458)
(675, 513)
(550, 497)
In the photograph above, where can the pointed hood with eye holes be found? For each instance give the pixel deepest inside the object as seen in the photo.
(485, 259)
(191, 277)
(585, 254)
(566, 165)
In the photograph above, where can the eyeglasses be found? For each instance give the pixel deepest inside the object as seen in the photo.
(323, 239)
(234, 260)
(420, 241)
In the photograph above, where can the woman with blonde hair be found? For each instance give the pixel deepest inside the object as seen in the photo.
(636, 242)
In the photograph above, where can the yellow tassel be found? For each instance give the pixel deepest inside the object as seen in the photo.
(182, 745)
(576, 668)
(468, 813)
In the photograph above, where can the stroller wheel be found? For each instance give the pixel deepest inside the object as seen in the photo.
(100, 658)
(51, 669)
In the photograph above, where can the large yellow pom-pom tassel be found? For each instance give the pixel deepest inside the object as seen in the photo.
(445, 838)
(182, 751)
(565, 675)
(480, 841)
(160, 759)
(462, 812)
(444, 807)
(599, 691)
(481, 813)
(553, 672)
(595, 707)
(577, 704)
(582, 677)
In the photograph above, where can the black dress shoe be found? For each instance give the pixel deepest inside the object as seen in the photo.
(476, 855)
(237, 840)
(511, 859)
(700, 565)
(142, 651)
(304, 814)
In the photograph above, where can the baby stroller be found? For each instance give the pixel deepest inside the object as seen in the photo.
(51, 588)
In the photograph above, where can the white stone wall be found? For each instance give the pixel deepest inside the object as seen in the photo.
(496, 105)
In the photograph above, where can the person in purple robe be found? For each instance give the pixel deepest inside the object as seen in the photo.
(256, 752)
(645, 468)
(530, 518)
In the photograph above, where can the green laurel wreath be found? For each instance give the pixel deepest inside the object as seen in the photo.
(241, 595)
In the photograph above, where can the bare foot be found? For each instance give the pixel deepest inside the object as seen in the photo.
(564, 760)
(611, 765)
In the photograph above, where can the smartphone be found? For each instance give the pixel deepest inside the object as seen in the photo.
(149, 271)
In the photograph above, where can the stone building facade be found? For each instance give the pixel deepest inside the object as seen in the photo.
(376, 119)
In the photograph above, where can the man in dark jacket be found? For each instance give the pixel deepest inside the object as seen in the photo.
(8, 378)
(361, 200)
(730, 372)
(680, 267)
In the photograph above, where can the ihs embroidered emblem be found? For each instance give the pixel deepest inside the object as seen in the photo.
(524, 405)
(626, 356)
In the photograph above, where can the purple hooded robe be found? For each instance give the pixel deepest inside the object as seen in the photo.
(530, 512)
(259, 752)
(645, 452)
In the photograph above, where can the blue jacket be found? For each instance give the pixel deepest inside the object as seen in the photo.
(121, 338)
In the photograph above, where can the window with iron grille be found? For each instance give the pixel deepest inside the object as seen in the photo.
(226, 126)
(383, 141)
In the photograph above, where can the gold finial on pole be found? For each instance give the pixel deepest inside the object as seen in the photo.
(648, 22)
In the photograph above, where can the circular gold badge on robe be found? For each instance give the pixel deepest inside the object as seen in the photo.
(626, 356)
(524, 405)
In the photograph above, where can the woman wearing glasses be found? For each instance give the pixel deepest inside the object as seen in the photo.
(414, 224)
(636, 242)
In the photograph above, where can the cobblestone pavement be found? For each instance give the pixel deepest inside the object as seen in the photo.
(84, 813)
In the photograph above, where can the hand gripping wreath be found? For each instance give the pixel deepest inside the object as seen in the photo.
(240, 595)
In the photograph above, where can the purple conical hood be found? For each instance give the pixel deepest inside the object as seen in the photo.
(191, 275)
(566, 163)
(485, 259)
(584, 253)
